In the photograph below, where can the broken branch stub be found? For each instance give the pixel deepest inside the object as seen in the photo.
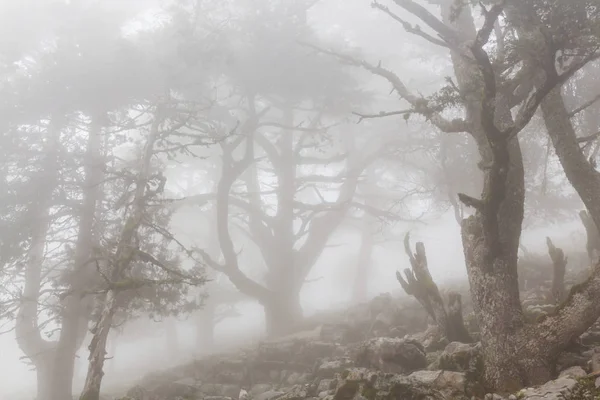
(420, 284)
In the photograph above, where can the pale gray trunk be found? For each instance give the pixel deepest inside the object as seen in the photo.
(119, 264)
(205, 329)
(93, 380)
(29, 338)
(78, 306)
(365, 253)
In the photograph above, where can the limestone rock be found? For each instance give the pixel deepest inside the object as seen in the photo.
(401, 356)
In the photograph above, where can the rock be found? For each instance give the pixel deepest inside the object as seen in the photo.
(325, 385)
(401, 356)
(559, 389)
(269, 395)
(219, 389)
(378, 385)
(572, 372)
(186, 388)
(260, 388)
(327, 368)
(298, 392)
(449, 382)
(461, 357)
(138, 393)
(432, 339)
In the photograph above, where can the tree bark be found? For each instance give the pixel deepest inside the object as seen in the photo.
(119, 264)
(559, 266)
(93, 380)
(420, 284)
(592, 245)
(282, 314)
(41, 352)
(77, 307)
(44, 376)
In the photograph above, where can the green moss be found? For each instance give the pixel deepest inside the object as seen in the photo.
(586, 389)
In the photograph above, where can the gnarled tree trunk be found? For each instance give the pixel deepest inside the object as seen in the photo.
(420, 284)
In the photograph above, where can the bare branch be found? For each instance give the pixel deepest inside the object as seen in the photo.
(415, 30)
(419, 104)
(584, 106)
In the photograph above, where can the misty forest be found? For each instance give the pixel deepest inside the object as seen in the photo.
(299, 199)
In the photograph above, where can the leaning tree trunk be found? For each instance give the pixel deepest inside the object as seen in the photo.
(420, 284)
(93, 380)
(127, 246)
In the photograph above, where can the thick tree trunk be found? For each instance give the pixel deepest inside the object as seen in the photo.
(29, 338)
(44, 376)
(78, 306)
(282, 313)
(491, 237)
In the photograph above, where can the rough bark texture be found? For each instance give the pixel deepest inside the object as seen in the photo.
(93, 380)
(559, 266)
(420, 284)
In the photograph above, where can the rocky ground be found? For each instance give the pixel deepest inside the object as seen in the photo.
(382, 350)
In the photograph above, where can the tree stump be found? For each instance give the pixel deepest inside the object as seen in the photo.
(420, 284)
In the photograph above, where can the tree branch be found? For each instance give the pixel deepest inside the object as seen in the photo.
(419, 104)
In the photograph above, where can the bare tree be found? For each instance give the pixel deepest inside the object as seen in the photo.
(515, 353)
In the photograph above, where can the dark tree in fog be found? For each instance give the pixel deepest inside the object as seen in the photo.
(490, 82)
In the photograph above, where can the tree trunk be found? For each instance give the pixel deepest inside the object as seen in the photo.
(361, 281)
(205, 329)
(559, 266)
(44, 375)
(420, 284)
(29, 338)
(172, 338)
(282, 313)
(592, 245)
(77, 306)
(93, 380)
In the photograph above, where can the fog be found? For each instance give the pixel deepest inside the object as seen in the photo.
(252, 163)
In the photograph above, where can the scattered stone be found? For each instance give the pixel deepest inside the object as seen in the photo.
(401, 356)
